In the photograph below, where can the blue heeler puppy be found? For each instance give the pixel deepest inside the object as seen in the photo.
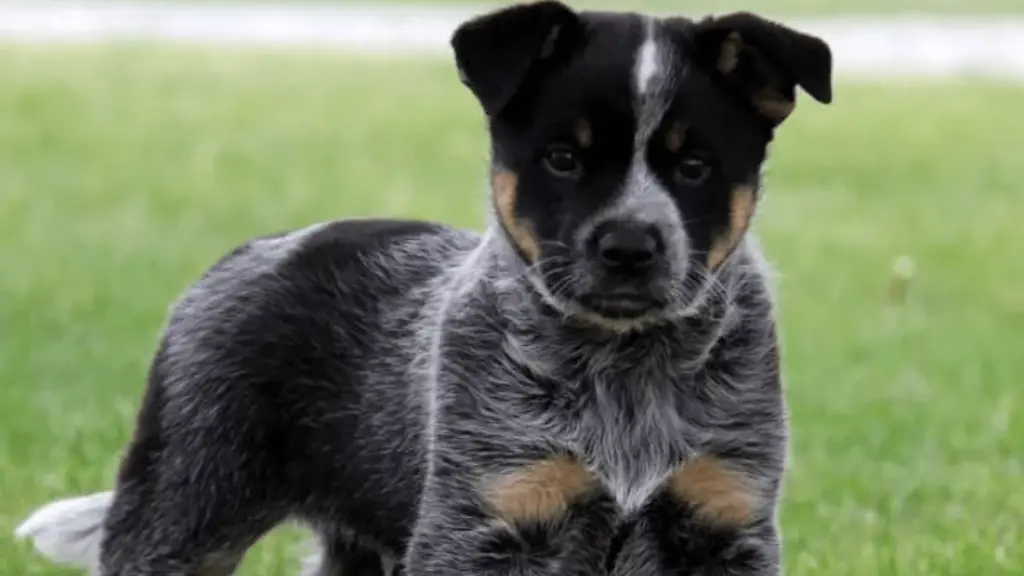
(590, 386)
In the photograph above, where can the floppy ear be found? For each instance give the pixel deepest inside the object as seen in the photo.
(496, 52)
(765, 61)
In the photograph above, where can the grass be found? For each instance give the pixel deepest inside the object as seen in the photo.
(781, 7)
(125, 172)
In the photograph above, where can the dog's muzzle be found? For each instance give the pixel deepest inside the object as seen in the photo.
(625, 258)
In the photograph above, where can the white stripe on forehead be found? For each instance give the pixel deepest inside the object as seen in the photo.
(647, 61)
(653, 80)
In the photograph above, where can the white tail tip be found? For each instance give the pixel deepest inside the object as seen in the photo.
(68, 531)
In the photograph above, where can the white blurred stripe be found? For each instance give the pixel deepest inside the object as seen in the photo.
(863, 45)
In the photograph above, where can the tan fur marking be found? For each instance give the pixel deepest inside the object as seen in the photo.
(729, 57)
(674, 137)
(538, 492)
(505, 188)
(718, 495)
(584, 133)
(741, 208)
(773, 105)
(768, 102)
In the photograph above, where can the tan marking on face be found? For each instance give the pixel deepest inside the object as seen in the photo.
(718, 495)
(674, 137)
(729, 56)
(741, 209)
(584, 133)
(505, 188)
(539, 492)
(772, 105)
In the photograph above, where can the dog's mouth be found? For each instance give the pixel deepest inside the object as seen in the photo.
(621, 306)
(623, 302)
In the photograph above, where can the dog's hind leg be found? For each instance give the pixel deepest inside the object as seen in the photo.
(194, 492)
(196, 529)
(71, 532)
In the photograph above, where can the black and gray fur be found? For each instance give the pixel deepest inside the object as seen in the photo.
(364, 377)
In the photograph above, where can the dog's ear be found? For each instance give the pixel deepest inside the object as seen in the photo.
(496, 52)
(765, 61)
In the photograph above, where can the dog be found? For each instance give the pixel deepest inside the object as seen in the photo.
(590, 385)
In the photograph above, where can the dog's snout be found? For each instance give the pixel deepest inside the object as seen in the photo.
(626, 246)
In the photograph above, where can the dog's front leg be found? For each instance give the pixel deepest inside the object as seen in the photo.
(748, 551)
(756, 551)
(685, 543)
(535, 516)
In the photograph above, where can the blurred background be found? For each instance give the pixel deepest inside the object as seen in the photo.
(139, 141)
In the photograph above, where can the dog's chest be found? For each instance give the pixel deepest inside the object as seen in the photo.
(633, 435)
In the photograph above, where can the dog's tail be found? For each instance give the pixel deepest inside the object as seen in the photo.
(69, 531)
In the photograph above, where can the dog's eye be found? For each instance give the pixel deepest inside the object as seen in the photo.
(562, 161)
(693, 170)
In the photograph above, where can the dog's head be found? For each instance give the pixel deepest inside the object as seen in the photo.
(627, 149)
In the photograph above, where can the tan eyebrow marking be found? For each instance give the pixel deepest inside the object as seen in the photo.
(674, 136)
(584, 133)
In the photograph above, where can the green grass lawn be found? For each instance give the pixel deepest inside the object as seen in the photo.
(782, 7)
(124, 173)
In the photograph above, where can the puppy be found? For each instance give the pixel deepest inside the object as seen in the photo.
(590, 386)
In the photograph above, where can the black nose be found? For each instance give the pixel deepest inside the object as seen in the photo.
(628, 246)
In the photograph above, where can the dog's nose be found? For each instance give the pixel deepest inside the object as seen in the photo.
(628, 246)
